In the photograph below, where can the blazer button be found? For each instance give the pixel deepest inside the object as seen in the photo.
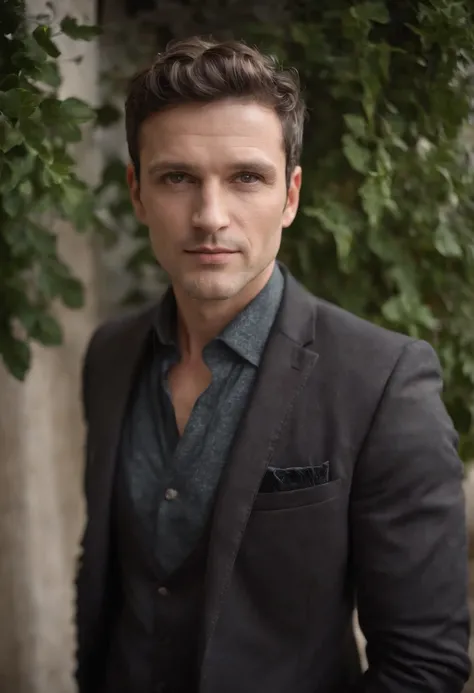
(171, 494)
(163, 592)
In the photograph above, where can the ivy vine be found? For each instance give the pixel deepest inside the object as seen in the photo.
(38, 182)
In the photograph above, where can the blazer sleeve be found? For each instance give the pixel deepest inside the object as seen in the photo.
(409, 545)
(83, 669)
(91, 345)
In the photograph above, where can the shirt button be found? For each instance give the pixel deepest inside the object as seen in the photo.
(171, 494)
(163, 592)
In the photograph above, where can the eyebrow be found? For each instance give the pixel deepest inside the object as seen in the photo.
(262, 167)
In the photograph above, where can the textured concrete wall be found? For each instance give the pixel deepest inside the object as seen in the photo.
(41, 443)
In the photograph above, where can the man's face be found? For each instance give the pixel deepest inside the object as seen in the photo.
(213, 193)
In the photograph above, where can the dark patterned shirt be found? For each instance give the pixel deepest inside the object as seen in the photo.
(172, 480)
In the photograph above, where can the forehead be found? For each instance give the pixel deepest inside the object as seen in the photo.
(213, 131)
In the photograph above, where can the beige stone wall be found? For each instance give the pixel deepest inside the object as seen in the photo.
(41, 442)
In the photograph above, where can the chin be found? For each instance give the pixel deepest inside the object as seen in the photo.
(207, 288)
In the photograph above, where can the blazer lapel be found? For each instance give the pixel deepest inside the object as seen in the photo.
(284, 371)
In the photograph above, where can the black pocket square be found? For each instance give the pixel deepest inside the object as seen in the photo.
(294, 478)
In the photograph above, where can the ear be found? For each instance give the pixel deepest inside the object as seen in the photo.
(293, 197)
(135, 196)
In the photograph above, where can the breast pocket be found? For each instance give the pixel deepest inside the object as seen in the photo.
(282, 500)
(293, 541)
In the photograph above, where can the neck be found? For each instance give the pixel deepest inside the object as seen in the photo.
(199, 322)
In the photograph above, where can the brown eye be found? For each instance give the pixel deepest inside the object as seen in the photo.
(175, 177)
(248, 178)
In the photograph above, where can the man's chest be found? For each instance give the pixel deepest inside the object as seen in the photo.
(186, 384)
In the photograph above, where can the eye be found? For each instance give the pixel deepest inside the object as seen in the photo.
(248, 178)
(176, 178)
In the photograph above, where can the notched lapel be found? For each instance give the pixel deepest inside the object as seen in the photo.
(284, 371)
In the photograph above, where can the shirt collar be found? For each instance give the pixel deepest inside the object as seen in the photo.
(248, 332)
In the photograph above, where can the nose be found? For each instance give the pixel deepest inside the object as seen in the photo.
(211, 213)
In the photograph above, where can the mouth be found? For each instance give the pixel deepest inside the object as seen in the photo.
(205, 250)
(206, 255)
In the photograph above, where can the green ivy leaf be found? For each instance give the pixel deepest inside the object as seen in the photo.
(42, 240)
(61, 165)
(371, 12)
(51, 110)
(27, 314)
(424, 316)
(446, 243)
(372, 200)
(78, 110)
(14, 172)
(55, 281)
(73, 193)
(385, 56)
(5, 177)
(72, 293)
(85, 32)
(16, 355)
(13, 203)
(113, 173)
(28, 238)
(49, 74)
(26, 190)
(77, 204)
(42, 35)
(36, 139)
(47, 284)
(68, 131)
(19, 103)
(393, 310)
(107, 115)
(356, 124)
(25, 63)
(47, 330)
(9, 136)
(358, 156)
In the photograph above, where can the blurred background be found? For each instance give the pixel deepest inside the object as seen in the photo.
(385, 229)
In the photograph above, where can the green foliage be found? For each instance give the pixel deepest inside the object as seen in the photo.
(387, 222)
(38, 183)
(387, 211)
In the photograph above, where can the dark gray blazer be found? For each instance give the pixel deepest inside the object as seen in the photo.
(284, 568)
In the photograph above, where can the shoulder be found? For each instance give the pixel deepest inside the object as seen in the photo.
(337, 328)
(368, 349)
(109, 334)
(353, 333)
(113, 346)
(358, 356)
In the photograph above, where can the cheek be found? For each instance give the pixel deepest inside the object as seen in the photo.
(164, 209)
(265, 215)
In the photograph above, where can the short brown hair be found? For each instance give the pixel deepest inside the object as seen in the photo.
(205, 70)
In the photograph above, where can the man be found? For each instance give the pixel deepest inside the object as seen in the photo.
(258, 460)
